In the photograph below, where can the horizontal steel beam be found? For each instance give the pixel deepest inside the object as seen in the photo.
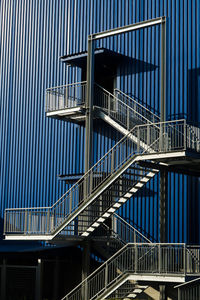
(127, 28)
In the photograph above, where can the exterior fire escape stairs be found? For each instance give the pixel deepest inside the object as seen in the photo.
(113, 180)
(116, 177)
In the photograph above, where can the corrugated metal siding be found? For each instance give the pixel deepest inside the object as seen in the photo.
(35, 149)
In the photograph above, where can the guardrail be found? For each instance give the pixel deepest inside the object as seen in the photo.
(65, 96)
(154, 138)
(136, 106)
(126, 232)
(142, 259)
(118, 109)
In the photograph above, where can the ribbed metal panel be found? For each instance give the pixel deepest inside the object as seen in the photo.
(34, 149)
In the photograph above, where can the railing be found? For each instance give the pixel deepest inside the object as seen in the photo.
(127, 233)
(157, 259)
(119, 110)
(66, 96)
(193, 134)
(160, 137)
(136, 106)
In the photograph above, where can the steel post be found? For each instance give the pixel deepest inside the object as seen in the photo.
(163, 205)
(163, 72)
(88, 144)
(38, 283)
(3, 281)
(89, 105)
(162, 292)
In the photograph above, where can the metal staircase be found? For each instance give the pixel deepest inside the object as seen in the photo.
(111, 182)
(115, 178)
(146, 262)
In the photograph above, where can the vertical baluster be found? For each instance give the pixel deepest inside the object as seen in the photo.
(159, 259)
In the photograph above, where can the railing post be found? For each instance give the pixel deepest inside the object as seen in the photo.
(48, 220)
(66, 97)
(29, 221)
(138, 143)
(106, 275)
(86, 290)
(5, 225)
(184, 260)
(25, 222)
(128, 119)
(134, 236)
(136, 258)
(185, 135)
(109, 105)
(70, 203)
(159, 259)
(148, 135)
(112, 162)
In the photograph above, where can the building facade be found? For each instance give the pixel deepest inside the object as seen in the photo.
(45, 44)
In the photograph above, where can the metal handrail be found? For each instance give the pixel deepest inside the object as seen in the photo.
(130, 228)
(118, 102)
(138, 258)
(66, 85)
(65, 96)
(136, 102)
(59, 212)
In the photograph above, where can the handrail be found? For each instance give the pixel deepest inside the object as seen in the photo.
(59, 210)
(66, 85)
(118, 90)
(131, 227)
(109, 151)
(137, 258)
(129, 108)
(81, 179)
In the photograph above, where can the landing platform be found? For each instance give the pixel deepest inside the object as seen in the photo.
(73, 114)
(182, 161)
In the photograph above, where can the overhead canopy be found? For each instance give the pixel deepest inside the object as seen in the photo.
(106, 59)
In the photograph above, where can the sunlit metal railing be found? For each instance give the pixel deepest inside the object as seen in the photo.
(149, 138)
(136, 106)
(65, 96)
(120, 110)
(141, 259)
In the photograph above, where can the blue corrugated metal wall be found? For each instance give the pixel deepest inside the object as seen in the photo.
(34, 149)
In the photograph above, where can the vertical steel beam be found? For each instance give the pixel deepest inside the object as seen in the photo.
(3, 281)
(89, 105)
(163, 205)
(88, 146)
(38, 283)
(163, 174)
(85, 266)
(162, 292)
(163, 72)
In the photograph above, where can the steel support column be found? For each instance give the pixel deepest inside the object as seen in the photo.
(162, 292)
(89, 106)
(85, 267)
(163, 174)
(163, 205)
(163, 72)
(38, 283)
(3, 281)
(88, 147)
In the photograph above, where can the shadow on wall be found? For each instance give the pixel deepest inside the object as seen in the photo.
(139, 70)
(194, 182)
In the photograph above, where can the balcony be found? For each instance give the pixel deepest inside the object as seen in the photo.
(66, 102)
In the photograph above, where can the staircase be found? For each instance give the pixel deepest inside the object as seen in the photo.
(110, 183)
(118, 235)
(147, 262)
(114, 179)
